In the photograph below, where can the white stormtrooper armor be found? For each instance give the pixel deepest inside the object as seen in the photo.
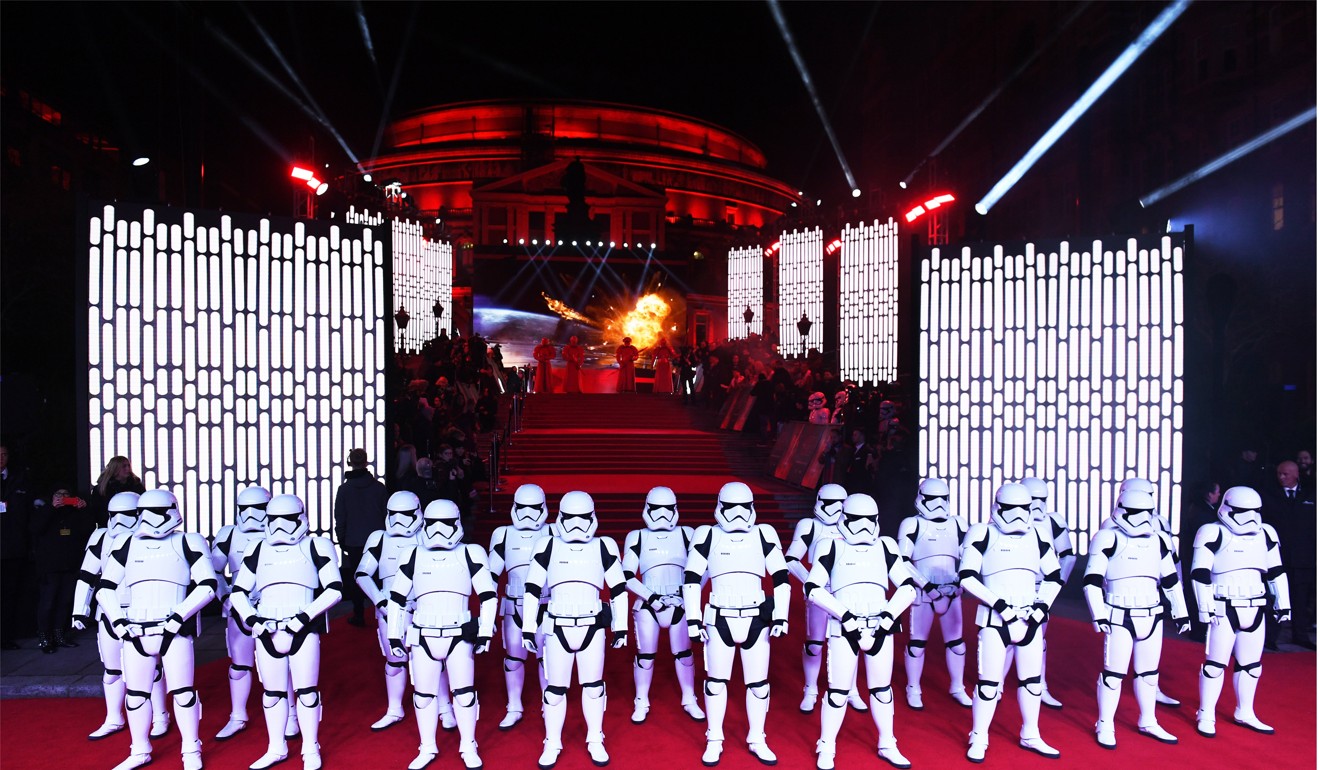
(930, 541)
(849, 579)
(437, 578)
(1051, 526)
(381, 556)
(122, 520)
(1161, 521)
(167, 578)
(735, 555)
(653, 563)
(807, 535)
(1011, 569)
(1236, 567)
(232, 543)
(286, 584)
(571, 568)
(511, 548)
(1129, 565)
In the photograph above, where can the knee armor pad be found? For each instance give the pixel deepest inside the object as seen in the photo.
(136, 699)
(594, 690)
(684, 658)
(422, 700)
(111, 676)
(957, 647)
(1252, 669)
(916, 648)
(761, 689)
(270, 697)
(1111, 680)
(1212, 670)
(465, 697)
(883, 695)
(513, 664)
(393, 668)
(554, 695)
(308, 697)
(645, 660)
(715, 686)
(986, 689)
(836, 698)
(813, 647)
(184, 697)
(237, 672)
(1032, 685)
(1147, 676)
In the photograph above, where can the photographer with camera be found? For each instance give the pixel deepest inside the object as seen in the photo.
(59, 535)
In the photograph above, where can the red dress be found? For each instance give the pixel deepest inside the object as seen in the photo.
(626, 355)
(543, 354)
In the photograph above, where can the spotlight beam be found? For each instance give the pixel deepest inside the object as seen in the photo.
(1292, 124)
(394, 81)
(366, 35)
(1102, 84)
(801, 65)
(974, 114)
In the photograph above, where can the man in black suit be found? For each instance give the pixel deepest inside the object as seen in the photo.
(1201, 508)
(1290, 508)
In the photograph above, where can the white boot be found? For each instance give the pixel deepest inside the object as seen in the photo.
(808, 704)
(977, 744)
(914, 698)
(824, 755)
(1158, 733)
(711, 756)
(1104, 735)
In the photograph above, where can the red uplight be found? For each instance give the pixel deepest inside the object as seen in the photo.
(930, 205)
(301, 173)
(914, 213)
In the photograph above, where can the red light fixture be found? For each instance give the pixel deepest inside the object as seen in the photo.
(930, 205)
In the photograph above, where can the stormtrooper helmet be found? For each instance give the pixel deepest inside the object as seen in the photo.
(888, 410)
(841, 399)
(443, 527)
(829, 503)
(122, 513)
(1142, 485)
(735, 510)
(403, 514)
(1239, 511)
(816, 400)
(861, 520)
(158, 513)
(286, 520)
(1132, 513)
(1040, 494)
(661, 512)
(1012, 510)
(933, 500)
(529, 508)
(252, 509)
(577, 517)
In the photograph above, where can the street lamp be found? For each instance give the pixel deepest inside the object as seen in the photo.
(748, 315)
(804, 328)
(401, 320)
(438, 310)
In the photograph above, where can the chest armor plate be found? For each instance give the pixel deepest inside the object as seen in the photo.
(442, 584)
(519, 544)
(286, 564)
(859, 568)
(391, 551)
(575, 563)
(935, 551)
(239, 543)
(152, 560)
(662, 558)
(1134, 557)
(1239, 553)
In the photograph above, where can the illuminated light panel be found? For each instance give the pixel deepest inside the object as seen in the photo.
(1061, 364)
(1295, 122)
(246, 351)
(912, 215)
(423, 273)
(868, 303)
(746, 290)
(801, 290)
(1147, 37)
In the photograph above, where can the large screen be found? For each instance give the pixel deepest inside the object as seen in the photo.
(1063, 363)
(868, 303)
(225, 351)
(801, 291)
(746, 291)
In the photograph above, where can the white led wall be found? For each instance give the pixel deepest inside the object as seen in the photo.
(228, 351)
(1063, 364)
(423, 273)
(868, 303)
(801, 290)
(746, 290)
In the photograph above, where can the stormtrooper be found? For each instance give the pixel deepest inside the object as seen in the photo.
(1129, 565)
(930, 541)
(1236, 568)
(167, 578)
(653, 563)
(380, 561)
(511, 549)
(1053, 528)
(849, 579)
(122, 514)
(438, 576)
(818, 413)
(1161, 522)
(232, 543)
(807, 536)
(293, 578)
(735, 555)
(1012, 570)
(572, 567)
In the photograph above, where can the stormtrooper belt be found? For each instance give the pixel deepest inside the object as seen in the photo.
(737, 612)
(430, 631)
(1142, 612)
(1259, 601)
(573, 620)
(869, 621)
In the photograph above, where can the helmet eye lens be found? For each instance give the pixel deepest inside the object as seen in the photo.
(933, 498)
(567, 516)
(529, 508)
(653, 508)
(726, 507)
(1236, 510)
(1005, 508)
(253, 507)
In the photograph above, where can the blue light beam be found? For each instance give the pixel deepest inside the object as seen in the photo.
(1223, 160)
(1102, 84)
(811, 90)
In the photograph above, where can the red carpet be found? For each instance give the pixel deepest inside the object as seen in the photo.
(37, 733)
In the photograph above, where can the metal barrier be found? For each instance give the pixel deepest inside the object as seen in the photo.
(496, 453)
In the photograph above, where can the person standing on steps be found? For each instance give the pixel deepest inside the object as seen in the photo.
(544, 354)
(626, 355)
(573, 355)
(664, 371)
(359, 511)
